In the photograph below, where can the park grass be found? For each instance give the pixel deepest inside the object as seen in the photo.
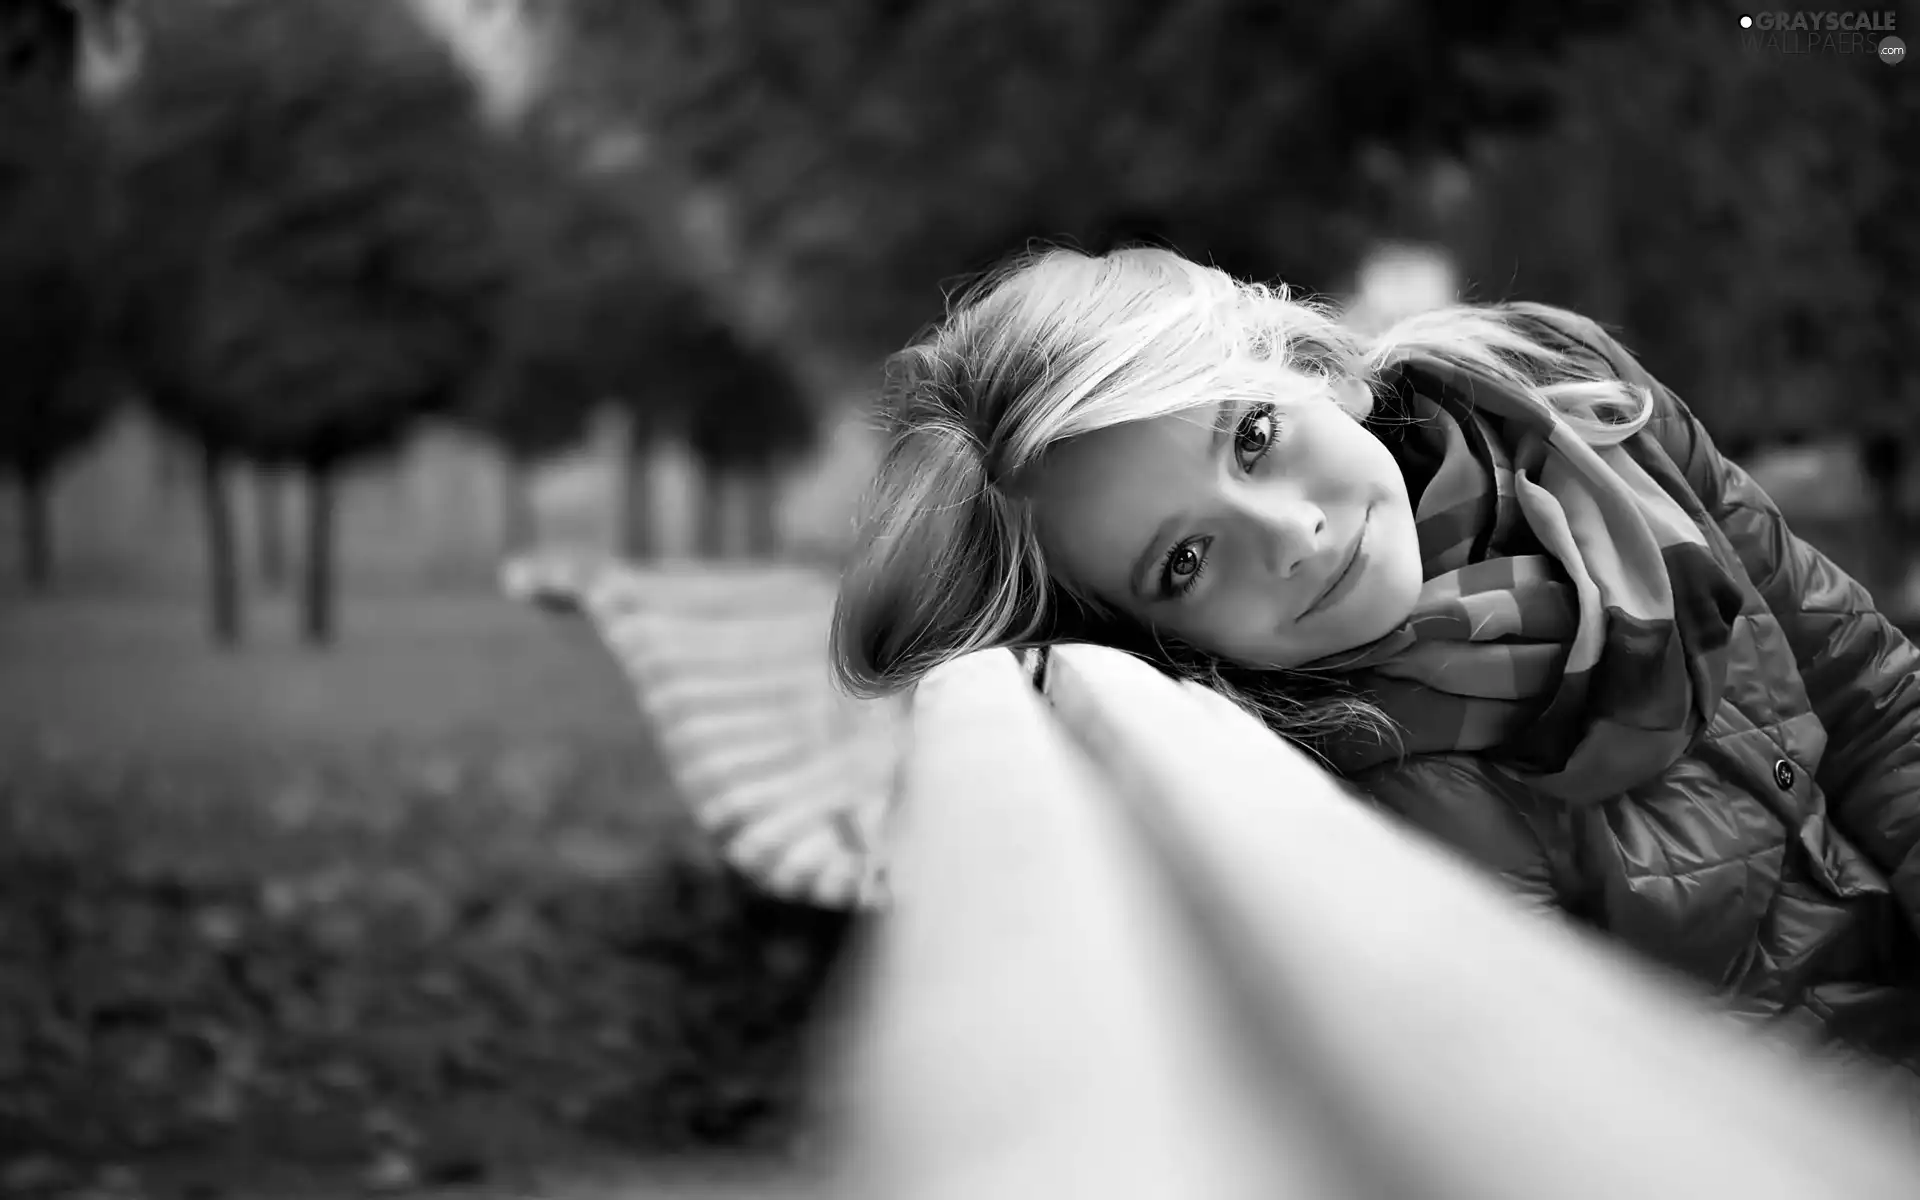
(420, 910)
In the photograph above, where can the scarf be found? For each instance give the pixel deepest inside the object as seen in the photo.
(1573, 624)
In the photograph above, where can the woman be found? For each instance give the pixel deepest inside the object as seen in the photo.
(1484, 564)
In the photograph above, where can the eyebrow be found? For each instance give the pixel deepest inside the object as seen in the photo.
(1155, 550)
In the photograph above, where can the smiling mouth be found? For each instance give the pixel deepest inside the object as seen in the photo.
(1346, 569)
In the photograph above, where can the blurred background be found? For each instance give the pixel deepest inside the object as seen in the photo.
(323, 867)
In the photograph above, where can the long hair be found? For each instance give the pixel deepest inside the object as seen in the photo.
(1054, 344)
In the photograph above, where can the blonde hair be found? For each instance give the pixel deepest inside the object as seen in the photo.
(1054, 344)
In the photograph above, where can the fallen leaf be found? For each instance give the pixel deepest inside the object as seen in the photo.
(391, 1172)
(219, 928)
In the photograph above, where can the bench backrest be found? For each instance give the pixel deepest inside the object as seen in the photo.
(1140, 948)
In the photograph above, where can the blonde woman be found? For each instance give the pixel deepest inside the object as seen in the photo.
(1488, 568)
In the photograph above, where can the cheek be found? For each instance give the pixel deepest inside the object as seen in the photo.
(1402, 568)
(1346, 462)
(1375, 463)
(1240, 619)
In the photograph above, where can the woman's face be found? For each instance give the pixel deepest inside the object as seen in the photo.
(1270, 534)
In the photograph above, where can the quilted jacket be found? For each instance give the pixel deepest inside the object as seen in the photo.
(1778, 861)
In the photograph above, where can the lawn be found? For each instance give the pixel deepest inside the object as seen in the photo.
(417, 913)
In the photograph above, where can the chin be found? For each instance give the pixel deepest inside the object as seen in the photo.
(1395, 588)
(1380, 619)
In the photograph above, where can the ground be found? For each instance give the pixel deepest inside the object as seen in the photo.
(414, 914)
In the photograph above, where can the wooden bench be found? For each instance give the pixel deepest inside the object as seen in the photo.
(1139, 948)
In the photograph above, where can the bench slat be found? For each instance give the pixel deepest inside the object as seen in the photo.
(1492, 1052)
(1034, 1023)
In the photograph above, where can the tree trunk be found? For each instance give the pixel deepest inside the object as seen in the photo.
(269, 496)
(763, 515)
(36, 531)
(223, 574)
(516, 510)
(172, 469)
(637, 517)
(712, 522)
(1885, 459)
(1883, 456)
(317, 594)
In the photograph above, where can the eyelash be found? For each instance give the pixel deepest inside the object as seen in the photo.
(1173, 588)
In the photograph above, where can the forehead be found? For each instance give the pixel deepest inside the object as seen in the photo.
(1091, 458)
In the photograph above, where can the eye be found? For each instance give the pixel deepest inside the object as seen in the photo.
(1183, 566)
(1255, 434)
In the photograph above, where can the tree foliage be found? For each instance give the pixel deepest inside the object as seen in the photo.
(744, 411)
(51, 258)
(878, 149)
(587, 283)
(604, 313)
(1730, 209)
(310, 236)
(309, 244)
(60, 385)
(1745, 213)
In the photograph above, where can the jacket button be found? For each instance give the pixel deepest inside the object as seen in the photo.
(1783, 774)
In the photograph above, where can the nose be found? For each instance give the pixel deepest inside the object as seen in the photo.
(1289, 529)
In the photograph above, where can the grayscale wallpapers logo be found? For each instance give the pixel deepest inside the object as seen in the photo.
(1808, 32)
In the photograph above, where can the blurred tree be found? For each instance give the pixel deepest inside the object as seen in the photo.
(608, 310)
(1747, 215)
(1715, 202)
(587, 288)
(270, 526)
(533, 403)
(747, 420)
(685, 374)
(311, 243)
(39, 48)
(830, 167)
(876, 149)
(1890, 237)
(60, 383)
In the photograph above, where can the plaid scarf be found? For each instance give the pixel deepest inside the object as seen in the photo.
(1573, 625)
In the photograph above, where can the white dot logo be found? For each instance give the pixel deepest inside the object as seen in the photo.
(1746, 22)
(1892, 50)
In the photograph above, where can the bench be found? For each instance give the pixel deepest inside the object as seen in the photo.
(1135, 946)
(1139, 948)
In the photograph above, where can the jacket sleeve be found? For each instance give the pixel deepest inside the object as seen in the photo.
(1453, 799)
(1861, 672)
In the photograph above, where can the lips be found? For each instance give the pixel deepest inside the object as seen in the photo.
(1346, 569)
